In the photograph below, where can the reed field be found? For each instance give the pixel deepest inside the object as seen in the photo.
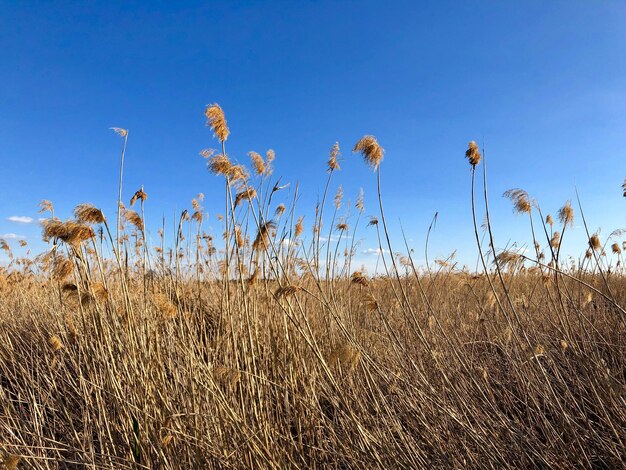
(270, 347)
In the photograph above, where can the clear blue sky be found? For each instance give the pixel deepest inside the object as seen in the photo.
(542, 84)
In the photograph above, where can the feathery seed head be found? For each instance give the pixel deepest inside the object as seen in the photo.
(508, 258)
(257, 163)
(371, 151)
(472, 153)
(359, 278)
(280, 210)
(5, 246)
(299, 227)
(239, 239)
(207, 153)
(246, 195)
(262, 240)
(216, 121)
(70, 232)
(134, 218)
(555, 240)
(61, 268)
(164, 306)
(139, 195)
(270, 155)
(286, 291)
(198, 215)
(566, 214)
(119, 131)
(333, 163)
(359, 201)
(88, 214)
(55, 343)
(45, 205)
(594, 242)
(520, 199)
(338, 197)
(238, 174)
(220, 165)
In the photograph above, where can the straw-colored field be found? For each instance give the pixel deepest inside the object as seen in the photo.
(271, 350)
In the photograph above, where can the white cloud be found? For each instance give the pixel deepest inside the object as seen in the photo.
(334, 238)
(374, 251)
(20, 219)
(12, 236)
(287, 242)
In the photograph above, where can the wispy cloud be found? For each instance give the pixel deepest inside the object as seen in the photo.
(20, 219)
(12, 236)
(334, 238)
(289, 242)
(374, 251)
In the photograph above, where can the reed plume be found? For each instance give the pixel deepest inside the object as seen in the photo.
(246, 195)
(566, 214)
(139, 195)
(62, 268)
(359, 201)
(333, 163)
(217, 122)
(257, 163)
(220, 165)
(286, 291)
(299, 227)
(46, 205)
(370, 150)
(338, 197)
(280, 210)
(134, 218)
(472, 153)
(359, 278)
(270, 155)
(55, 343)
(262, 240)
(594, 242)
(5, 247)
(555, 241)
(520, 199)
(88, 214)
(164, 306)
(73, 233)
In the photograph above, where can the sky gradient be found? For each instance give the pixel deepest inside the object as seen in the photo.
(542, 85)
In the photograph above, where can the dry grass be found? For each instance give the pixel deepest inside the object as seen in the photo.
(275, 353)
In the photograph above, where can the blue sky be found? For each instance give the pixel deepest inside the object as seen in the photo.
(542, 84)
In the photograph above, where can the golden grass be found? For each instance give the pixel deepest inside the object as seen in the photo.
(275, 353)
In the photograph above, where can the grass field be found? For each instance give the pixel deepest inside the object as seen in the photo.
(272, 349)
